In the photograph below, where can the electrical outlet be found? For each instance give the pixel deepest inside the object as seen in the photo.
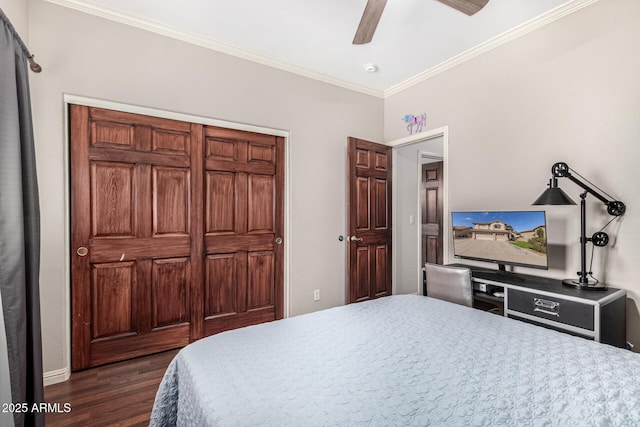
(316, 295)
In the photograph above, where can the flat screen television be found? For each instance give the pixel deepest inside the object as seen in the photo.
(516, 238)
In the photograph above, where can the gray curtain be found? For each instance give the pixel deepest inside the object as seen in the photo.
(19, 230)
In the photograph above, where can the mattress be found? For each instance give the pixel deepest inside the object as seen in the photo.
(403, 360)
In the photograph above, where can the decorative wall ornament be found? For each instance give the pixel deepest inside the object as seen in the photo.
(415, 123)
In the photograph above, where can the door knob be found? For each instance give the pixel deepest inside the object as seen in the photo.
(278, 240)
(356, 239)
(82, 251)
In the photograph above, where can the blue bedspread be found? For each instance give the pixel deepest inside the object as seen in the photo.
(403, 360)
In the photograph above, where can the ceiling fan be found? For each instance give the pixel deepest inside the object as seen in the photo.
(373, 12)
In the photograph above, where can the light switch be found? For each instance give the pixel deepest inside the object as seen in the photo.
(412, 219)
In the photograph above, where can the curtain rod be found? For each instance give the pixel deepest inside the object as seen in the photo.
(35, 67)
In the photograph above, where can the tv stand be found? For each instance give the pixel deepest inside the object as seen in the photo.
(499, 275)
(543, 301)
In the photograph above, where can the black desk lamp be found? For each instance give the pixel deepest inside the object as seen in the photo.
(555, 196)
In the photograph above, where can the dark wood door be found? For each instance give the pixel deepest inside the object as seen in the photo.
(369, 220)
(132, 222)
(243, 229)
(432, 211)
(163, 238)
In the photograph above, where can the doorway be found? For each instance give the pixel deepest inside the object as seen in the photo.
(408, 156)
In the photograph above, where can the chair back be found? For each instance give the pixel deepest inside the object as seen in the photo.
(449, 283)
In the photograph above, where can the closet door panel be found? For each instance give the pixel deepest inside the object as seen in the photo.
(220, 203)
(244, 188)
(112, 199)
(131, 223)
(171, 201)
(171, 280)
(112, 134)
(112, 290)
(220, 285)
(169, 141)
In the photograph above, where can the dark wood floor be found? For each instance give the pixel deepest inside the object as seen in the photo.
(120, 394)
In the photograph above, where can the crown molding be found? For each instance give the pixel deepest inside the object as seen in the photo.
(495, 42)
(189, 37)
(229, 49)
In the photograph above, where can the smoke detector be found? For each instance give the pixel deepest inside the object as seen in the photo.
(370, 68)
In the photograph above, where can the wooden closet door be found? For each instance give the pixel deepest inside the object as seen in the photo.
(243, 230)
(133, 216)
(177, 232)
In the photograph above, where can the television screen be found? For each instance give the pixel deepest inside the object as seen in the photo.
(513, 238)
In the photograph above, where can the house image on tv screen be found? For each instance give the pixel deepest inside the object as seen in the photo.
(494, 230)
(498, 231)
(518, 238)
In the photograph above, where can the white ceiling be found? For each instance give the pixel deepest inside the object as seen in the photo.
(313, 37)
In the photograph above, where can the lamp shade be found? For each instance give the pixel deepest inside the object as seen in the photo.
(554, 196)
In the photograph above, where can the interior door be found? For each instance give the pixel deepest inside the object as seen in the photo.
(369, 220)
(243, 229)
(431, 195)
(132, 218)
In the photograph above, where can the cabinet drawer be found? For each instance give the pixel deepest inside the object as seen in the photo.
(556, 309)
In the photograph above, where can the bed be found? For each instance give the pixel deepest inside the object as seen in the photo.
(399, 361)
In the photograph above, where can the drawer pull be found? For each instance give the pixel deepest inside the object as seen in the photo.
(546, 306)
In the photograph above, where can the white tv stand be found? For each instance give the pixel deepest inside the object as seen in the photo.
(596, 315)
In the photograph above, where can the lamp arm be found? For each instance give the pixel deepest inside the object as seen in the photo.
(614, 207)
(588, 189)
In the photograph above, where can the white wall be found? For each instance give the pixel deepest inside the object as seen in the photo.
(91, 57)
(17, 12)
(406, 189)
(569, 92)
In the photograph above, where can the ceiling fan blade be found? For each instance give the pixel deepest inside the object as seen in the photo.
(468, 7)
(369, 21)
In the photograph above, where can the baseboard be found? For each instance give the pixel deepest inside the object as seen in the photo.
(57, 376)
